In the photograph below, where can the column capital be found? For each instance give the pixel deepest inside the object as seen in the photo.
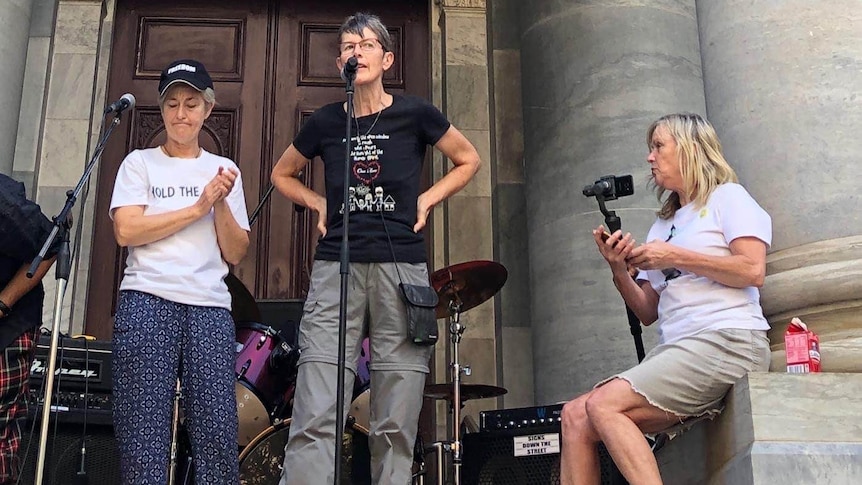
(477, 4)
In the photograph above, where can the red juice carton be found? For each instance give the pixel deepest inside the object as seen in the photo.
(803, 348)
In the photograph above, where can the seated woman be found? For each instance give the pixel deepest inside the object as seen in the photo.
(698, 277)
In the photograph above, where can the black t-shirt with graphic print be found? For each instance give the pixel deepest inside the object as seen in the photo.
(386, 161)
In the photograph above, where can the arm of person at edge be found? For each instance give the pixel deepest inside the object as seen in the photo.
(133, 228)
(19, 217)
(457, 148)
(284, 178)
(20, 284)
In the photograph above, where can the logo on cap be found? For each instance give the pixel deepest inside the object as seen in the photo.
(182, 67)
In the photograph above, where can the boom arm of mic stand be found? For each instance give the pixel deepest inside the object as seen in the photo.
(71, 197)
(614, 224)
(62, 224)
(257, 209)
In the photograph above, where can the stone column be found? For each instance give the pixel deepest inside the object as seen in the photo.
(463, 229)
(70, 130)
(14, 37)
(782, 87)
(594, 75)
(515, 348)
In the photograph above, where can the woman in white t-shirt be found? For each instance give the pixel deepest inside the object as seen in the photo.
(698, 277)
(181, 213)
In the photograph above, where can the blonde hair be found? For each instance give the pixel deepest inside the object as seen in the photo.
(701, 163)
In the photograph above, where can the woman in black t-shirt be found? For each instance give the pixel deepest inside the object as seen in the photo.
(388, 147)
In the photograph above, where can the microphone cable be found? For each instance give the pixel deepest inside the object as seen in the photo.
(81, 476)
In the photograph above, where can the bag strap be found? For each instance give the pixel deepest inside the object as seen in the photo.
(391, 246)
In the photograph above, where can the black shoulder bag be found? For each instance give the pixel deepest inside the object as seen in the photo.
(421, 302)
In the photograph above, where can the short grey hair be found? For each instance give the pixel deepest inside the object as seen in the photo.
(208, 95)
(358, 22)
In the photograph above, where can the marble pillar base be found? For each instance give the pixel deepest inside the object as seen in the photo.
(777, 428)
(821, 283)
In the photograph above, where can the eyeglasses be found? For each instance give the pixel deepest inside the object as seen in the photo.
(365, 45)
(671, 273)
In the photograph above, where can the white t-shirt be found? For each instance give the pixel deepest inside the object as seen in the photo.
(688, 303)
(185, 267)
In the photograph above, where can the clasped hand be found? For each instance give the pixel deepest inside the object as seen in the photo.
(218, 188)
(623, 254)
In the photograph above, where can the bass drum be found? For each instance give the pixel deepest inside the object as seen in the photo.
(260, 463)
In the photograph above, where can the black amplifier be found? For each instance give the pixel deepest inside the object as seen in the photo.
(81, 365)
(521, 418)
(73, 407)
(82, 380)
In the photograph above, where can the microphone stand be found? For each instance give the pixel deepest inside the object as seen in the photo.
(613, 222)
(62, 224)
(256, 211)
(349, 76)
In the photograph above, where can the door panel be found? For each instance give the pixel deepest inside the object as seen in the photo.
(273, 64)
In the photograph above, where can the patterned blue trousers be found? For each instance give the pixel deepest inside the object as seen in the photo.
(155, 340)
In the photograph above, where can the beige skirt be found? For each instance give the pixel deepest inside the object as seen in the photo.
(690, 377)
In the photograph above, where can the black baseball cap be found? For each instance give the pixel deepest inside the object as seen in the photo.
(187, 71)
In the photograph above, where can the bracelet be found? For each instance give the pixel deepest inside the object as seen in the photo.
(5, 308)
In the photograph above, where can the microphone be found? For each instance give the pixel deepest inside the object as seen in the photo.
(348, 71)
(126, 101)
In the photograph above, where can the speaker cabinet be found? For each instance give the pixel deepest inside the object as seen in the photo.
(63, 454)
(489, 459)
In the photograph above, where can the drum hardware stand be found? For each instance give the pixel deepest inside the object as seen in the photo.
(440, 450)
(460, 287)
(418, 478)
(175, 431)
(453, 447)
(456, 330)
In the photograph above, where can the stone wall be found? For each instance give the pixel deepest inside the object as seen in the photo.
(777, 428)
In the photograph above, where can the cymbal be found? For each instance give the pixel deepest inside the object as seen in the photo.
(468, 391)
(243, 306)
(469, 283)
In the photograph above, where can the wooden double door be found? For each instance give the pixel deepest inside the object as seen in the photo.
(273, 64)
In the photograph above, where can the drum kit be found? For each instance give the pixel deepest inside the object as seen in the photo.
(266, 369)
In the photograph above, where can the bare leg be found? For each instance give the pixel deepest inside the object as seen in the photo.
(579, 461)
(620, 416)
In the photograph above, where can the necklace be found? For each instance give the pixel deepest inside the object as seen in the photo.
(166, 152)
(356, 120)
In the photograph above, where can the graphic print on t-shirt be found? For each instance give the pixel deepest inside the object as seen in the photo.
(170, 191)
(366, 196)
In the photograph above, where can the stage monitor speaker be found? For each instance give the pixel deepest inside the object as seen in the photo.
(489, 459)
(63, 454)
(282, 315)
